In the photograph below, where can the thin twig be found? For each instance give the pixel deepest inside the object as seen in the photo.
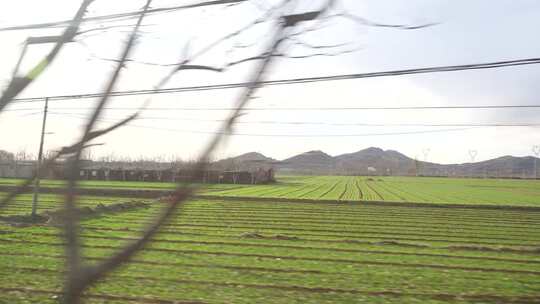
(62, 153)
(121, 16)
(183, 192)
(18, 84)
(76, 281)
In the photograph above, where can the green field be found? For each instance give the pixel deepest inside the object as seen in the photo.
(351, 188)
(223, 250)
(217, 251)
(398, 189)
(23, 203)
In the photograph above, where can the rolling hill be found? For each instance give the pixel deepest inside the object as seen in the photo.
(375, 161)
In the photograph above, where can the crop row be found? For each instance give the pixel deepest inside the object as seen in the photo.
(428, 190)
(487, 225)
(207, 267)
(351, 188)
(206, 237)
(217, 251)
(390, 222)
(392, 261)
(168, 288)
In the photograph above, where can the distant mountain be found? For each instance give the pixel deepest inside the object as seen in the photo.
(252, 156)
(375, 161)
(309, 161)
(506, 166)
(247, 161)
(310, 156)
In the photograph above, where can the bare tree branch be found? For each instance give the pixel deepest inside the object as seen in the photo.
(178, 66)
(95, 134)
(199, 67)
(80, 275)
(121, 16)
(365, 22)
(63, 152)
(327, 54)
(182, 192)
(291, 20)
(18, 84)
(75, 280)
(96, 31)
(298, 41)
(107, 28)
(344, 13)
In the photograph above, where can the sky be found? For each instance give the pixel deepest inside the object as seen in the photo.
(465, 31)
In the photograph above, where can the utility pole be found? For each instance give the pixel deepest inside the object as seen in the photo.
(416, 166)
(40, 159)
(31, 41)
(472, 154)
(536, 151)
(425, 152)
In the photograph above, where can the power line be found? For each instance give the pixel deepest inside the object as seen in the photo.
(452, 68)
(475, 107)
(322, 123)
(114, 17)
(304, 135)
(288, 135)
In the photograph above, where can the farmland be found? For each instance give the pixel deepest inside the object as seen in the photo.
(219, 251)
(352, 188)
(398, 189)
(328, 248)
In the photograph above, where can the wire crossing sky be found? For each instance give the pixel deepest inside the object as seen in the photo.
(464, 67)
(458, 82)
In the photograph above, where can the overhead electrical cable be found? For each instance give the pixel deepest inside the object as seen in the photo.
(461, 107)
(321, 123)
(438, 69)
(121, 16)
(288, 134)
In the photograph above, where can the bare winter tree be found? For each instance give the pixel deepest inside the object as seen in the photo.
(289, 26)
(22, 155)
(6, 156)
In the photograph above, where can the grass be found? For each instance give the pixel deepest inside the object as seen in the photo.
(398, 189)
(267, 252)
(351, 188)
(23, 203)
(331, 248)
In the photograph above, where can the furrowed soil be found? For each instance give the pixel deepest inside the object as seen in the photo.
(264, 250)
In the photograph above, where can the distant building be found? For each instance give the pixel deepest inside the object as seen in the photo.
(17, 169)
(140, 171)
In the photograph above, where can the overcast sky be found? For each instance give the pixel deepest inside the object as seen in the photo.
(467, 31)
